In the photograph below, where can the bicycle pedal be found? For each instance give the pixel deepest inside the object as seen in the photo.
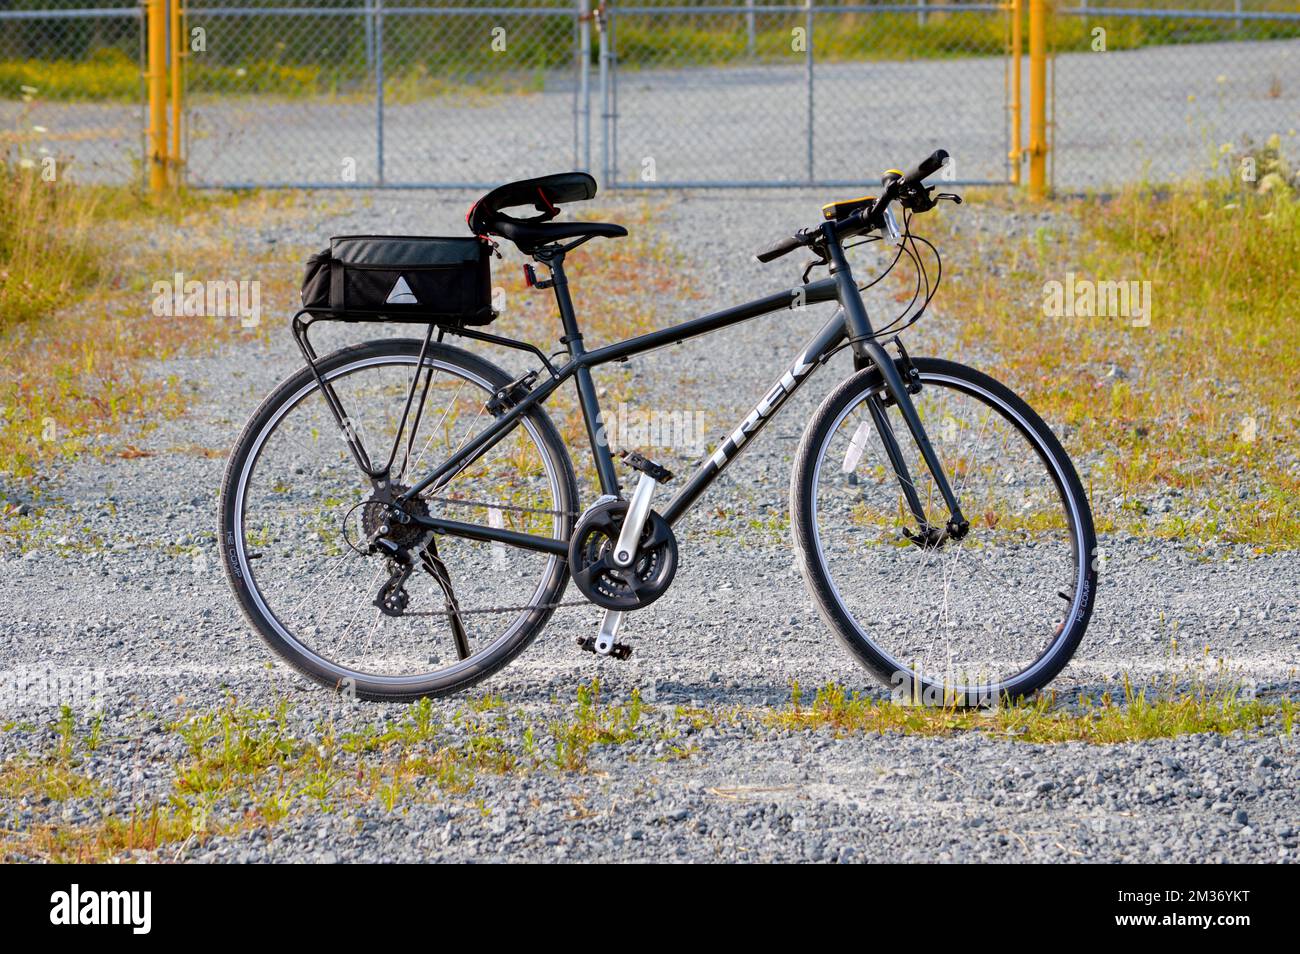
(638, 461)
(620, 651)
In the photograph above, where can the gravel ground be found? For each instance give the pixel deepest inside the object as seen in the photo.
(736, 629)
(1156, 114)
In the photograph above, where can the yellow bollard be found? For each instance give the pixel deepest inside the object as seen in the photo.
(178, 54)
(1017, 51)
(156, 80)
(1037, 99)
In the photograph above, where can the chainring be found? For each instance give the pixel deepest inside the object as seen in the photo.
(604, 582)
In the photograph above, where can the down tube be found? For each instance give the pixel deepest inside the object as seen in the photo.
(830, 335)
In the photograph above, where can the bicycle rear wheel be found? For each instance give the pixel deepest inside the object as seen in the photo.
(994, 615)
(296, 511)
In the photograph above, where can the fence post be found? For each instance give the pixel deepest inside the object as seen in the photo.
(809, 73)
(602, 29)
(177, 87)
(584, 85)
(751, 39)
(1038, 13)
(368, 22)
(379, 90)
(156, 80)
(1017, 64)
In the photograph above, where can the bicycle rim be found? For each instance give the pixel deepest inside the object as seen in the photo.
(299, 519)
(974, 618)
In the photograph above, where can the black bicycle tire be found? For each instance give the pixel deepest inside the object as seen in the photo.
(817, 578)
(371, 687)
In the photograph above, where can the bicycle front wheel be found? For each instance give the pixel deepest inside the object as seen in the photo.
(297, 512)
(993, 615)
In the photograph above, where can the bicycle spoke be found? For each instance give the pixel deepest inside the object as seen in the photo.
(302, 492)
(966, 616)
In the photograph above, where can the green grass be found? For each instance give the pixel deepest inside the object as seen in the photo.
(1199, 404)
(1136, 715)
(246, 768)
(46, 251)
(77, 264)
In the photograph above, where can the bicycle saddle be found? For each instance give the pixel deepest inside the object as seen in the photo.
(544, 194)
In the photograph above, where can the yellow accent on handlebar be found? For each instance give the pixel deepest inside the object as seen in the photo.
(837, 210)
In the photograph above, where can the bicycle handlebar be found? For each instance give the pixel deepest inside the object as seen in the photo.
(785, 246)
(924, 169)
(894, 181)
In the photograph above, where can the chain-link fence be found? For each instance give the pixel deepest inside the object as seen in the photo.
(71, 91)
(650, 93)
(1148, 93)
(812, 92)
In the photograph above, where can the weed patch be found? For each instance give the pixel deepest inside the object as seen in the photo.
(1183, 428)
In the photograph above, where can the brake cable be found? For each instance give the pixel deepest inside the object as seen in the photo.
(930, 292)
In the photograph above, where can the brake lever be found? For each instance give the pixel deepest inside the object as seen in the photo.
(821, 259)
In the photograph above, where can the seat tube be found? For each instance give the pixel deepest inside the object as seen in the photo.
(572, 340)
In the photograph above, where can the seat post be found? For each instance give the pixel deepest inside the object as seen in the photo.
(572, 340)
(568, 319)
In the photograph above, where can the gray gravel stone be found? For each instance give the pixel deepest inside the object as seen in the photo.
(162, 628)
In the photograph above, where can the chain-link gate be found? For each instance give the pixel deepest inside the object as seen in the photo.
(643, 93)
(371, 94)
(812, 93)
(71, 88)
(366, 94)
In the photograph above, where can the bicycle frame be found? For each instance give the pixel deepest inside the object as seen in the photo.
(849, 322)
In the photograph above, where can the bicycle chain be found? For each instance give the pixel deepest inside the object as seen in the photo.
(500, 506)
(498, 609)
(515, 509)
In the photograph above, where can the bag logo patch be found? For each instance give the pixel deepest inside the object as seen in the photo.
(401, 294)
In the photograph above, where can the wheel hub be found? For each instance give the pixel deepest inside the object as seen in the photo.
(381, 516)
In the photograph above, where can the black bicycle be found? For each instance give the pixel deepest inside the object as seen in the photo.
(939, 525)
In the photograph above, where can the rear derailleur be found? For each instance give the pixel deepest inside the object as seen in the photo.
(391, 529)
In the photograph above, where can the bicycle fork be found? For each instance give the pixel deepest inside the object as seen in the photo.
(896, 387)
(868, 352)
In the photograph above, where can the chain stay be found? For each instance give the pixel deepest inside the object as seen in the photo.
(516, 509)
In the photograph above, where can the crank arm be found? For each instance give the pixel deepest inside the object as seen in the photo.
(629, 537)
(608, 636)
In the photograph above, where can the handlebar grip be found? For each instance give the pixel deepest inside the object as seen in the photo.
(925, 168)
(783, 247)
